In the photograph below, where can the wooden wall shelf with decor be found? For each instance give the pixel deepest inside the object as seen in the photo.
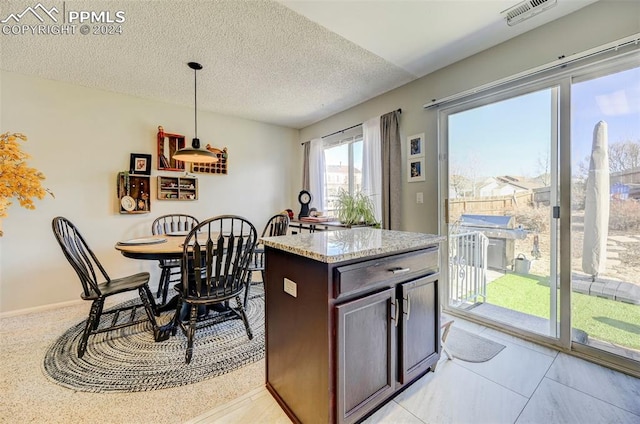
(133, 193)
(219, 167)
(168, 143)
(177, 188)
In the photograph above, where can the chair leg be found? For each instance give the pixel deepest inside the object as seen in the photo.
(96, 322)
(164, 276)
(176, 321)
(91, 324)
(191, 331)
(165, 286)
(243, 315)
(160, 334)
(247, 288)
(150, 299)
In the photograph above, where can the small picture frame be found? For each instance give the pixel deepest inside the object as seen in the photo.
(415, 146)
(415, 170)
(140, 164)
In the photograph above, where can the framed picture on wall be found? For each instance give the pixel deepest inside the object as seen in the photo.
(140, 164)
(415, 170)
(415, 146)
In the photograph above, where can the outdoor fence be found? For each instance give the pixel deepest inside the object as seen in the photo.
(488, 205)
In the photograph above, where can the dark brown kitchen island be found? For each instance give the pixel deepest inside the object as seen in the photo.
(352, 318)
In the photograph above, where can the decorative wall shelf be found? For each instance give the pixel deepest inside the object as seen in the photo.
(177, 188)
(168, 143)
(133, 193)
(219, 167)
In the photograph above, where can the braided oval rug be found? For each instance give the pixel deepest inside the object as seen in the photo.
(129, 360)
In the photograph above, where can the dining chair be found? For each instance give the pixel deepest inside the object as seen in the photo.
(98, 286)
(171, 223)
(217, 252)
(277, 225)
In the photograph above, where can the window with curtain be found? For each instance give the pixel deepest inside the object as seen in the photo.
(349, 160)
(343, 168)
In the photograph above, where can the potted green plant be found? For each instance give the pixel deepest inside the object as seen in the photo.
(355, 209)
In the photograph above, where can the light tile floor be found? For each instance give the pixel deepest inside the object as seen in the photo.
(524, 383)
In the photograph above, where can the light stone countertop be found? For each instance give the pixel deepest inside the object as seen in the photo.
(348, 244)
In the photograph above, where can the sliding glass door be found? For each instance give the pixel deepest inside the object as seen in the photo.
(541, 182)
(502, 155)
(605, 211)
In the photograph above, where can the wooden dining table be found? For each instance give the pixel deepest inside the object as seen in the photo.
(153, 248)
(159, 247)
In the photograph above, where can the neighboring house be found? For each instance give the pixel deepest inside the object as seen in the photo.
(336, 177)
(507, 185)
(626, 184)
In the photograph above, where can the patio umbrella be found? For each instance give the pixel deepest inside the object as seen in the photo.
(596, 208)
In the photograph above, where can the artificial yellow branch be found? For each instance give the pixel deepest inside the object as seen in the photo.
(17, 180)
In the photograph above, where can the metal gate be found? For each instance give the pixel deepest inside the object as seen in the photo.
(467, 267)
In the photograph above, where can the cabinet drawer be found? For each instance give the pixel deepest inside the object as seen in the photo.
(363, 275)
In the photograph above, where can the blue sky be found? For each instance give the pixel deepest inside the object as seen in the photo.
(504, 138)
(340, 155)
(513, 136)
(614, 99)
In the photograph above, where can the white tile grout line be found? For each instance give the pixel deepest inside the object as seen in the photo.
(508, 344)
(536, 389)
(589, 394)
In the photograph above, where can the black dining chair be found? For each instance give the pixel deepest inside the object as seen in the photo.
(277, 225)
(165, 224)
(217, 253)
(98, 286)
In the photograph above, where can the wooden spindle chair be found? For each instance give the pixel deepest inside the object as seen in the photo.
(276, 226)
(98, 286)
(217, 253)
(165, 224)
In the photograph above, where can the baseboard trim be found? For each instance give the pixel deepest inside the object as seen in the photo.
(41, 308)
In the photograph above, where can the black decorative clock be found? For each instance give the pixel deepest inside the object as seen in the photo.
(304, 198)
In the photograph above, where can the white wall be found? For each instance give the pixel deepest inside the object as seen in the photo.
(592, 26)
(80, 138)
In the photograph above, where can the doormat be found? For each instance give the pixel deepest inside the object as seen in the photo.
(129, 360)
(470, 347)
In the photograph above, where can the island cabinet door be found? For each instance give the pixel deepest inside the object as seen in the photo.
(366, 354)
(419, 328)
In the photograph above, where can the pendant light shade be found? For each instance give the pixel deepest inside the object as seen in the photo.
(195, 153)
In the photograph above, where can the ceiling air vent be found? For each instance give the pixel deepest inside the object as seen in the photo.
(526, 9)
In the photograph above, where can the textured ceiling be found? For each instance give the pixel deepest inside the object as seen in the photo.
(262, 60)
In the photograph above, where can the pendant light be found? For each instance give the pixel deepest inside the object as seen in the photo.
(195, 153)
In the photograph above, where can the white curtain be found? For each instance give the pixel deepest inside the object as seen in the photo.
(372, 164)
(316, 174)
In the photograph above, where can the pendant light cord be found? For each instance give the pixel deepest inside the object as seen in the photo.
(195, 99)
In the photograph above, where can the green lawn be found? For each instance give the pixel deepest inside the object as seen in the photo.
(602, 319)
